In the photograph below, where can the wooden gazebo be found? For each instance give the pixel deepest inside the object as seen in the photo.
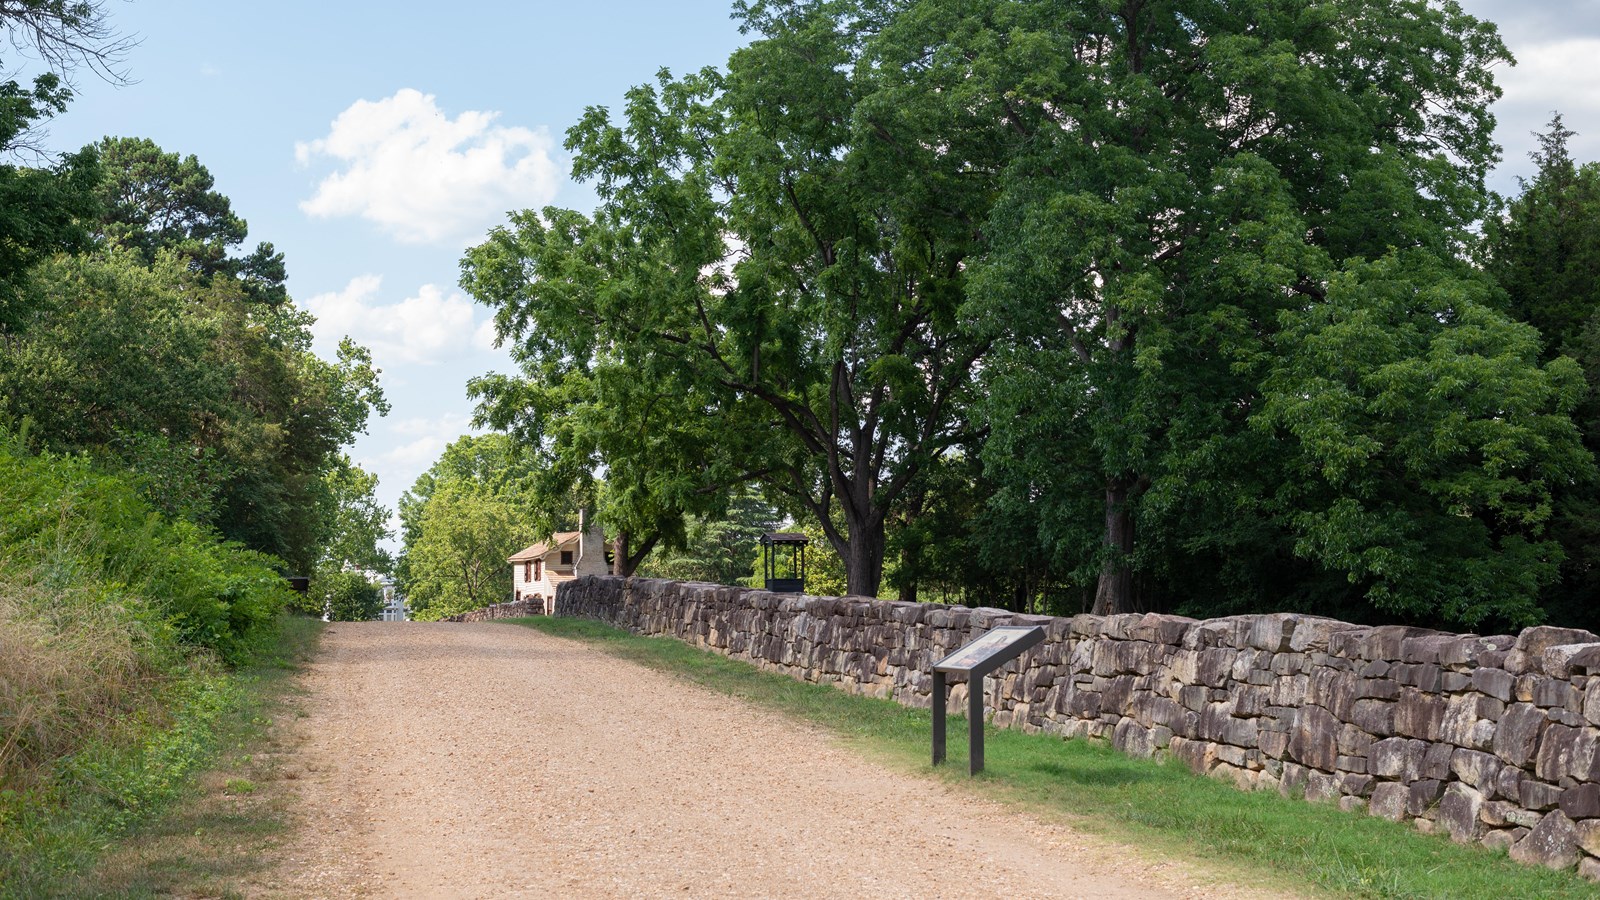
(784, 552)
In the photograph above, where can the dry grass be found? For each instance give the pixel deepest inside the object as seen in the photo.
(69, 665)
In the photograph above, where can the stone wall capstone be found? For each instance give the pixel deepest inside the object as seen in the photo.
(1490, 739)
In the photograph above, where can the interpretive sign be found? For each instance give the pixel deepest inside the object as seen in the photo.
(991, 645)
(994, 649)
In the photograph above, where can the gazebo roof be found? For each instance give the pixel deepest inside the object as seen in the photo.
(785, 537)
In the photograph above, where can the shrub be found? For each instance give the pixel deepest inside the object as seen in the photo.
(84, 531)
(102, 599)
(346, 596)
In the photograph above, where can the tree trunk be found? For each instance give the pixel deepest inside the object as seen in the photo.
(863, 565)
(619, 554)
(625, 563)
(1115, 591)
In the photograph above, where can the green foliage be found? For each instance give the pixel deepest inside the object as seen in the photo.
(223, 416)
(84, 531)
(1425, 438)
(1543, 247)
(458, 561)
(1166, 199)
(42, 209)
(357, 522)
(152, 201)
(344, 596)
(767, 292)
(473, 508)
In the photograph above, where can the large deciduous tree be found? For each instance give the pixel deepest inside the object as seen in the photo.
(475, 506)
(1174, 180)
(777, 254)
(218, 407)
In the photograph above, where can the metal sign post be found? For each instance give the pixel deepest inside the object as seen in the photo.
(994, 649)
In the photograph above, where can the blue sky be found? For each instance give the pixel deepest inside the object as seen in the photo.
(373, 142)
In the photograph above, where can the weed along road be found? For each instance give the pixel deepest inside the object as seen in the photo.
(489, 760)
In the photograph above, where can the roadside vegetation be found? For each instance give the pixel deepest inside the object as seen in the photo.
(1156, 805)
(170, 449)
(183, 801)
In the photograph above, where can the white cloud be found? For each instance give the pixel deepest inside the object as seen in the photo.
(428, 438)
(410, 446)
(1555, 76)
(427, 328)
(424, 177)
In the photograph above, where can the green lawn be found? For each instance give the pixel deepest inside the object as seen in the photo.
(1160, 805)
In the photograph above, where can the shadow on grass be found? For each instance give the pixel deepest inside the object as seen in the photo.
(1084, 776)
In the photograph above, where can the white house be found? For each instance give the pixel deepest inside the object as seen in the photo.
(536, 570)
(394, 605)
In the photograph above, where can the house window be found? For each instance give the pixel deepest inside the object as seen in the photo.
(538, 569)
(566, 557)
(527, 571)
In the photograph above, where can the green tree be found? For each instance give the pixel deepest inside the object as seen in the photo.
(1172, 178)
(475, 506)
(492, 464)
(458, 560)
(343, 595)
(152, 201)
(776, 253)
(357, 522)
(1425, 441)
(157, 412)
(42, 210)
(223, 414)
(1543, 247)
(717, 547)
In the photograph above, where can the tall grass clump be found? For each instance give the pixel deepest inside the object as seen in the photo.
(69, 665)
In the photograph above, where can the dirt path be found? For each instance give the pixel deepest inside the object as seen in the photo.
(488, 760)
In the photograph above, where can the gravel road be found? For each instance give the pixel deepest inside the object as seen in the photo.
(488, 760)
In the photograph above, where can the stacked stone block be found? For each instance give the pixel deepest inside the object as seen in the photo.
(1490, 739)
(515, 609)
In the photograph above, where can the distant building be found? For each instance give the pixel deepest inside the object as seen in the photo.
(394, 605)
(536, 570)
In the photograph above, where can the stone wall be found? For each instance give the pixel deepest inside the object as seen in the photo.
(1491, 739)
(530, 607)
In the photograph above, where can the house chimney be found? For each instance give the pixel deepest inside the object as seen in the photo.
(591, 544)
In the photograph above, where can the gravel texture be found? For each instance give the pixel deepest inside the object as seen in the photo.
(488, 760)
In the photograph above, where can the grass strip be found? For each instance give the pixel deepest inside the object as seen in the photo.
(1155, 804)
(141, 781)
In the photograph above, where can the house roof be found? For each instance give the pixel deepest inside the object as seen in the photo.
(558, 541)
